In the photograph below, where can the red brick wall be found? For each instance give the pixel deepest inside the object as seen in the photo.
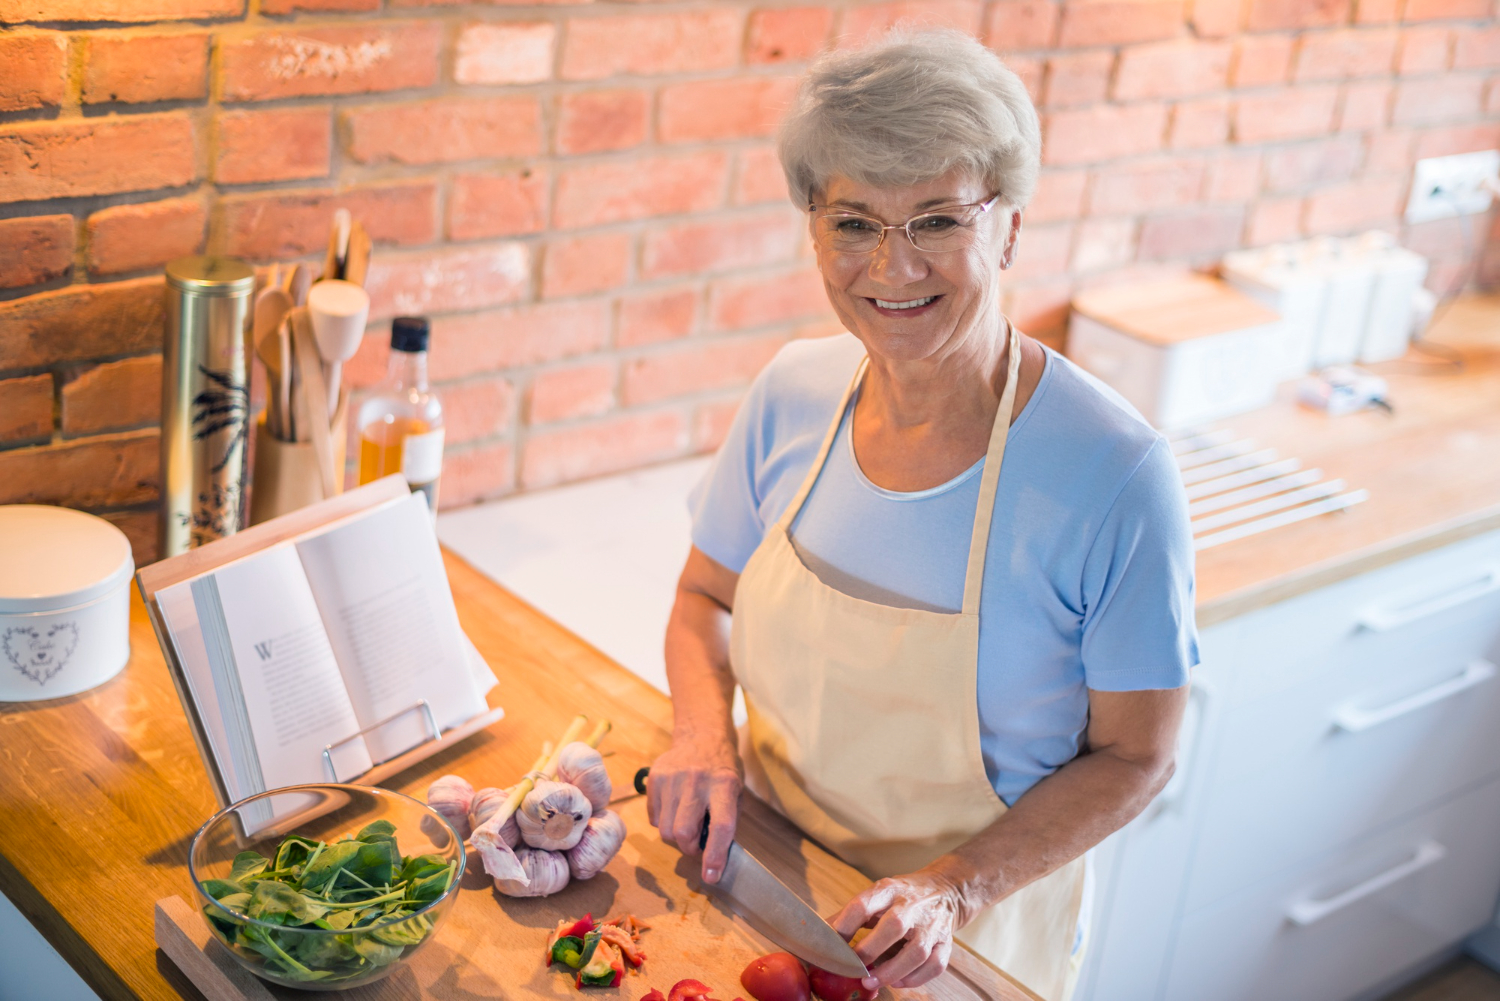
(585, 198)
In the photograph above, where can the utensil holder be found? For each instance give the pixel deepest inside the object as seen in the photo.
(286, 472)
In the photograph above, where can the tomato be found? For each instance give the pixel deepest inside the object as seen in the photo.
(832, 987)
(777, 977)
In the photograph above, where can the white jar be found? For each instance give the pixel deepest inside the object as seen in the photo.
(64, 602)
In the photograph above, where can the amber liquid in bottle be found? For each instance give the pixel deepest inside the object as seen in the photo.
(401, 425)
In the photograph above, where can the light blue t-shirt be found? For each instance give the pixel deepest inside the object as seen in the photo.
(1088, 577)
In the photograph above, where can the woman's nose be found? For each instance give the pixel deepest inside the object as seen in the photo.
(896, 262)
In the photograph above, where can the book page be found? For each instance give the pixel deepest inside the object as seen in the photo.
(281, 673)
(383, 593)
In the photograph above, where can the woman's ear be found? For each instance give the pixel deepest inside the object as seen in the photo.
(1008, 255)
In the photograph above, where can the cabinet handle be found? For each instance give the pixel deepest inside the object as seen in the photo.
(1382, 620)
(1306, 912)
(1355, 720)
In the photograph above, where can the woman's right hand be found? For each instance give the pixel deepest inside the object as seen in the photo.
(697, 774)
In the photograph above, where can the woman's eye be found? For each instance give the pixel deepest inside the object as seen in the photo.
(854, 225)
(937, 224)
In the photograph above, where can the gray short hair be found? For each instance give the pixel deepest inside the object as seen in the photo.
(907, 109)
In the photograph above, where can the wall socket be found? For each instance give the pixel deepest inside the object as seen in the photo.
(1447, 186)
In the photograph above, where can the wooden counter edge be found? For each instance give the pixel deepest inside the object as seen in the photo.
(181, 934)
(1319, 575)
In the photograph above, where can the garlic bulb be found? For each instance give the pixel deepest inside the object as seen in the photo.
(486, 802)
(601, 839)
(498, 857)
(545, 873)
(553, 815)
(580, 765)
(451, 796)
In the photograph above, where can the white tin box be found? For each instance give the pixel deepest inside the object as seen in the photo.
(1181, 350)
(64, 602)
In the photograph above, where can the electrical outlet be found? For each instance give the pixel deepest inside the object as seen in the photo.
(1446, 186)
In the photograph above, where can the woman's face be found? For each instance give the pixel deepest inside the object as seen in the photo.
(956, 293)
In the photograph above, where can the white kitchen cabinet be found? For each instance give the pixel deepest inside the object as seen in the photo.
(1335, 734)
(1372, 909)
(1142, 869)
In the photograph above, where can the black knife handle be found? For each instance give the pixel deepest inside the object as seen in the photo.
(640, 787)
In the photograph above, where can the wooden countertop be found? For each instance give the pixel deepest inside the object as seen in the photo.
(103, 792)
(1432, 469)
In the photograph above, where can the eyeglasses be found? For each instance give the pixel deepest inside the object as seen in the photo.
(937, 232)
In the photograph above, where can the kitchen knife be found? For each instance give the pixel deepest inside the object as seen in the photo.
(775, 911)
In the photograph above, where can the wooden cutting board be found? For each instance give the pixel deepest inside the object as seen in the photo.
(491, 945)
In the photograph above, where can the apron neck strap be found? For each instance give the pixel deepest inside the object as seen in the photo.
(790, 514)
(989, 482)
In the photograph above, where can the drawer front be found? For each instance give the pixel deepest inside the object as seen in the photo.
(1325, 784)
(1357, 625)
(1289, 644)
(1351, 918)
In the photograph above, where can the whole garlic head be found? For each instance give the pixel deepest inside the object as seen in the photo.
(486, 802)
(451, 797)
(545, 874)
(580, 765)
(601, 840)
(553, 815)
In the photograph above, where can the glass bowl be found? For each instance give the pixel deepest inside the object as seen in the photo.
(334, 917)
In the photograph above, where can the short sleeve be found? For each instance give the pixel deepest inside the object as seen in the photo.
(1138, 629)
(725, 510)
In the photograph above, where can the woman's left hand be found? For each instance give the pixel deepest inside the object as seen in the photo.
(922, 909)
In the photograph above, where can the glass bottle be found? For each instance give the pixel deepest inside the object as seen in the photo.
(401, 424)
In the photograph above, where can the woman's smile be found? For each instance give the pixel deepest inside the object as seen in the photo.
(904, 308)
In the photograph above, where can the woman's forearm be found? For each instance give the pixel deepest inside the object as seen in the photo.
(1057, 820)
(697, 655)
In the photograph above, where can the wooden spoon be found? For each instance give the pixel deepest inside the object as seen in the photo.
(302, 280)
(338, 310)
(270, 307)
(357, 265)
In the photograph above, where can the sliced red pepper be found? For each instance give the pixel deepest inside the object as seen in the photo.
(655, 995)
(685, 989)
(580, 928)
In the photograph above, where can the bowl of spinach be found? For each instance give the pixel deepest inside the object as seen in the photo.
(325, 887)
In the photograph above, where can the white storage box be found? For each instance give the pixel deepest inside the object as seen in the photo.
(1340, 300)
(1182, 351)
(1274, 277)
(64, 602)
(1399, 273)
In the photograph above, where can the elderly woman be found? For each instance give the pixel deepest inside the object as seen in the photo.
(951, 572)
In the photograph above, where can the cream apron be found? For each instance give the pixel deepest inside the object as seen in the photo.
(863, 724)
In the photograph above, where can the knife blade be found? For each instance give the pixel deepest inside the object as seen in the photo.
(770, 907)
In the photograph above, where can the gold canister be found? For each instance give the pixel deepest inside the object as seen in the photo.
(205, 401)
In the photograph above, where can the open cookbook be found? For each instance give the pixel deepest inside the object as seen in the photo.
(321, 655)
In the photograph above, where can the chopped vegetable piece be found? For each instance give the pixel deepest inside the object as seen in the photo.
(568, 950)
(654, 995)
(684, 989)
(604, 968)
(582, 926)
(621, 939)
(568, 928)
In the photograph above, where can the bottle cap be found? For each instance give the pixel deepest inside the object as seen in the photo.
(409, 333)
